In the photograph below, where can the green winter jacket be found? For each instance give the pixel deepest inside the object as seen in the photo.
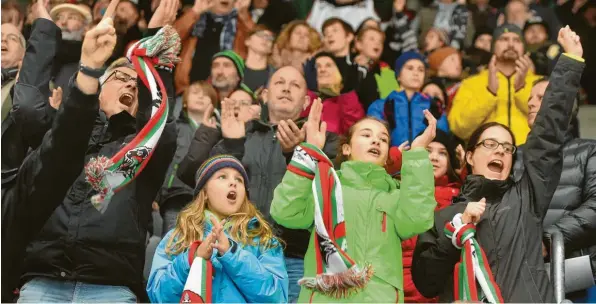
(379, 213)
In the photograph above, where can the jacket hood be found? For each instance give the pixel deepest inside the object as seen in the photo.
(477, 186)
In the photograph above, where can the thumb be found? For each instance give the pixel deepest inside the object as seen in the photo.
(323, 127)
(482, 201)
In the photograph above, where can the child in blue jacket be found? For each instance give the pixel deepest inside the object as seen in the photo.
(403, 109)
(221, 250)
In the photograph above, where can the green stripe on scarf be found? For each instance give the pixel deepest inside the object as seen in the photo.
(338, 275)
(473, 267)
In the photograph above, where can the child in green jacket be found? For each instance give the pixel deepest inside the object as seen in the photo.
(359, 215)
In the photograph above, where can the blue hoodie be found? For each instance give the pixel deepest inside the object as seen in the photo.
(249, 274)
(408, 116)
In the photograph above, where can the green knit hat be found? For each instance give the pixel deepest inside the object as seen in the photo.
(236, 59)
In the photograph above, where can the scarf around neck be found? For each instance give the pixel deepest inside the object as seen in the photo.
(228, 33)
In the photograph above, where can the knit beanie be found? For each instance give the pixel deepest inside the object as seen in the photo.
(348, 72)
(482, 30)
(214, 164)
(448, 141)
(236, 59)
(436, 58)
(443, 35)
(405, 57)
(506, 28)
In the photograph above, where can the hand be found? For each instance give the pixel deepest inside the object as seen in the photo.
(399, 5)
(404, 146)
(164, 14)
(56, 98)
(429, 133)
(289, 135)
(208, 119)
(100, 41)
(223, 243)
(501, 20)
(570, 42)
(202, 6)
(248, 113)
(205, 249)
(493, 80)
(461, 156)
(231, 126)
(142, 24)
(522, 65)
(242, 6)
(40, 10)
(316, 131)
(473, 212)
(362, 60)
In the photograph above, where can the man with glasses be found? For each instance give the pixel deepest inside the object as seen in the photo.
(260, 45)
(13, 50)
(119, 89)
(572, 209)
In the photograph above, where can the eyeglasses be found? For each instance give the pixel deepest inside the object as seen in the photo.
(120, 76)
(265, 35)
(492, 144)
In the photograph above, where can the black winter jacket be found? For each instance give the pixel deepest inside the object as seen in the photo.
(78, 242)
(30, 197)
(265, 164)
(510, 230)
(573, 207)
(31, 115)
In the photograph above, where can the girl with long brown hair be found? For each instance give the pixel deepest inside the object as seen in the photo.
(297, 42)
(221, 250)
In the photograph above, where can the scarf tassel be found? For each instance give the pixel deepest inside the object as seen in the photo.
(339, 285)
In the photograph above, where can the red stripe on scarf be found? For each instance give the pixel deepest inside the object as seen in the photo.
(326, 192)
(318, 257)
(209, 287)
(456, 294)
(340, 230)
(297, 171)
(316, 155)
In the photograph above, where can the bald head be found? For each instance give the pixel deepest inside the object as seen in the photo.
(13, 46)
(286, 94)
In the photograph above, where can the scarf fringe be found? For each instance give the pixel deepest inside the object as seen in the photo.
(95, 173)
(339, 285)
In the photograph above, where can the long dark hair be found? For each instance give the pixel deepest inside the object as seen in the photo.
(475, 139)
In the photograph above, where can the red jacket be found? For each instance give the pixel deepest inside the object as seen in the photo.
(339, 112)
(444, 192)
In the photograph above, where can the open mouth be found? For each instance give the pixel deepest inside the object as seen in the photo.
(374, 152)
(225, 3)
(495, 165)
(231, 195)
(126, 99)
(4, 49)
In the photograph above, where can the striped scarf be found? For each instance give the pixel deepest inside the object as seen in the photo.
(199, 284)
(473, 265)
(109, 175)
(338, 275)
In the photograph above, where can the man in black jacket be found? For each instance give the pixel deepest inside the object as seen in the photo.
(81, 254)
(32, 192)
(573, 207)
(265, 156)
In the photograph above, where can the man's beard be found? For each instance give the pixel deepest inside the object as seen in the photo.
(73, 36)
(508, 56)
(222, 85)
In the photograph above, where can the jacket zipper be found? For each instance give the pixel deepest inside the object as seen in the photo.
(409, 119)
(509, 101)
(384, 223)
(171, 180)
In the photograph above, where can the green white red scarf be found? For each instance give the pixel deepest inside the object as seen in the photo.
(199, 284)
(108, 175)
(338, 275)
(473, 265)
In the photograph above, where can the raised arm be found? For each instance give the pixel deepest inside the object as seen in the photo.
(205, 138)
(542, 151)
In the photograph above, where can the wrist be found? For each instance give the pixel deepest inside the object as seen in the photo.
(198, 12)
(89, 63)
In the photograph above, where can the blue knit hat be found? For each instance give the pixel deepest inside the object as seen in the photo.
(405, 57)
(214, 164)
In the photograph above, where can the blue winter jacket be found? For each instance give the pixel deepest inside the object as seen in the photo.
(250, 274)
(409, 118)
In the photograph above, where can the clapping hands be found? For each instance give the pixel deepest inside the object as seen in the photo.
(216, 239)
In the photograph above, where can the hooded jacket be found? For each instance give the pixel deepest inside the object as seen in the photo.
(474, 105)
(510, 230)
(379, 212)
(77, 242)
(406, 117)
(243, 274)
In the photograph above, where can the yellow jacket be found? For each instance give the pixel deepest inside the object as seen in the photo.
(475, 105)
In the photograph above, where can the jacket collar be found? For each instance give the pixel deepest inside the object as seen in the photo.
(477, 186)
(121, 124)
(263, 124)
(360, 174)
